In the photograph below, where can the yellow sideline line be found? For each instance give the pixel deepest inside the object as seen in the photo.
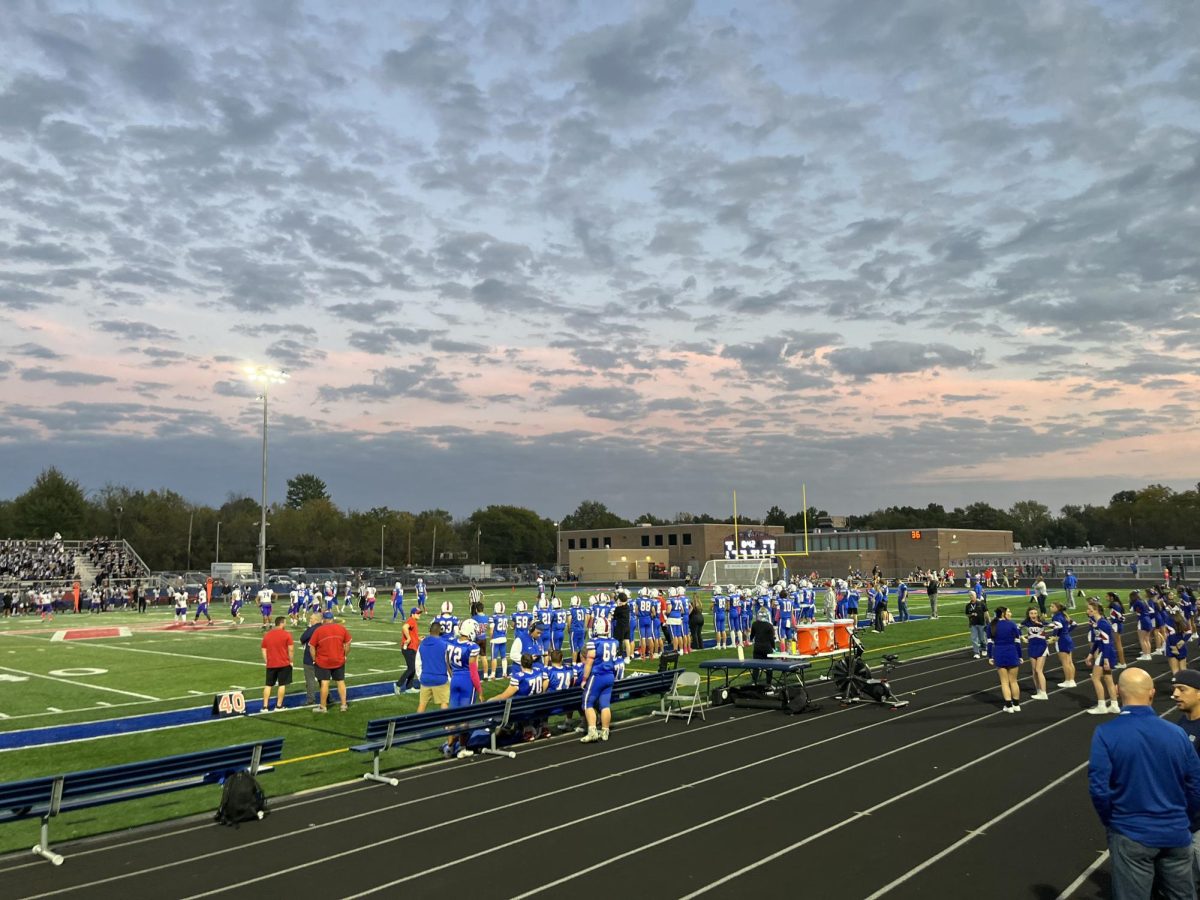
(284, 762)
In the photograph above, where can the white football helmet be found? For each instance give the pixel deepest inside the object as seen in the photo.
(468, 629)
(555, 603)
(575, 600)
(543, 603)
(522, 606)
(600, 627)
(499, 608)
(447, 607)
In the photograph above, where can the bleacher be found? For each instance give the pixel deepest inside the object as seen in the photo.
(55, 564)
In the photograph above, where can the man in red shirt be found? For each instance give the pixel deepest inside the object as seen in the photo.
(329, 644)
(277, 646)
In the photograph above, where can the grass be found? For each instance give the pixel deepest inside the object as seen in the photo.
(153, 670)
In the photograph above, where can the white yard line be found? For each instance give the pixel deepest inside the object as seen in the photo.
(95, 687)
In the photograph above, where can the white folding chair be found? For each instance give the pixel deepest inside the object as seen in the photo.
(685, 693)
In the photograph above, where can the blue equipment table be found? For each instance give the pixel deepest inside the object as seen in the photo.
(788, 693)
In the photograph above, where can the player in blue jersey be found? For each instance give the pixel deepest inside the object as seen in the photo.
(879, 606)
(599, 671)
(720, 610)
(545, 617)
(462, 662)
(645, 608)
(559, 619)
(330, 596)
(498, 643)
(676, 616)
(448, 620)
(422, 594)
(1102, 659)
(851, 603)
(522, 618)
(902, 601)
(397, 600)
(578, 617)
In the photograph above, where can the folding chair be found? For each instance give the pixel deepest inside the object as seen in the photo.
(679, 697)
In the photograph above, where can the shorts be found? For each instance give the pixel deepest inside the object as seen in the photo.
(499, 649)
(323, 674)
(370, 604)
(621, 631)
(598, 691)
(439, 694)
(279, 676)
(462, 693)
(265, 610)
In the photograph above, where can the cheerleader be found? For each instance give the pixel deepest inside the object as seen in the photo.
(1176, 646)
(1061, 624)
(1116, 616)
(1145, 616)
(1039, 649)
(1158, 607)
(1101, 658)
(1004, 652)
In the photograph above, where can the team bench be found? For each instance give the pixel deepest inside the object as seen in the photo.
(48, 796)
(492, 716)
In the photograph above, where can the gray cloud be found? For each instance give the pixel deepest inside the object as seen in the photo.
(900, 357)
(63, 377)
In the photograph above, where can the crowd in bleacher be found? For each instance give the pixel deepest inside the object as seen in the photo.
(36, 560)
(111, 559)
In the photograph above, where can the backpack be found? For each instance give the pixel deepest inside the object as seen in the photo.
(242, 800)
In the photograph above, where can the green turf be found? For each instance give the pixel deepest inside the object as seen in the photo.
(165, 666)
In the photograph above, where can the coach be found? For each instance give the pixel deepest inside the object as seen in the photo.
(277, 649)
(330, 643)
(1144, 780)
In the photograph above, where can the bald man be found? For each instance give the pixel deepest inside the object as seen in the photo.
(1144, 781)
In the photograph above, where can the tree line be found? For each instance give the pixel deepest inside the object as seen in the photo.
(308, 529)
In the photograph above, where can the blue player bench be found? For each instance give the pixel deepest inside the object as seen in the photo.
(50, 795)
(492, 716)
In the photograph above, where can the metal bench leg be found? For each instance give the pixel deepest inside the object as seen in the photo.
(492, 750)
(374, 775)
(42, 849)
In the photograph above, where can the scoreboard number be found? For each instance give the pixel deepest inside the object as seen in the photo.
(229, 703)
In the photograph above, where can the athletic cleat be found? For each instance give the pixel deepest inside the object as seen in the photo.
(320, 709)
(976, 656)
(579, 729)
(604, 734)
(464, 753)
(590, 738)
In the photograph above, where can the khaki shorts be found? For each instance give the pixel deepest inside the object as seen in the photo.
(439, 695)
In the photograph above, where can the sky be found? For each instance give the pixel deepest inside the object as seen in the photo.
(649, 253)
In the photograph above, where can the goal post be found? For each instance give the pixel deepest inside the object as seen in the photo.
(740, 572)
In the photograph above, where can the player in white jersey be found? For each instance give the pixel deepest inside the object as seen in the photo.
(369, 606)
(181, 607)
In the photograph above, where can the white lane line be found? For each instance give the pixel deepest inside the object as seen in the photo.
(471, 816)
(1069, 890)
(98, 646)
(974, 761)
(95, 687)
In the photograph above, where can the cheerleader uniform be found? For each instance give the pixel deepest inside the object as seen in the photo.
(1176, 644)
(1005, 645)
(1035, 632)
(1104, 650)
(1145, 614)
(1116, 615)
(1062, 631)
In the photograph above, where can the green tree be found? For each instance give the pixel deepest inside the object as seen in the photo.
(510, 534)
(1031, 521)
(55, 503)
(649, 519)
(304, 488)
(775, 516)
(592, 514)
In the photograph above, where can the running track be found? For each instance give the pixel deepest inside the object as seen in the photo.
(948, 798)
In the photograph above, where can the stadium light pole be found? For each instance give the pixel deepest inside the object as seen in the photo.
(382, 529)
(263, 377)
(218, 559)
(557, 547)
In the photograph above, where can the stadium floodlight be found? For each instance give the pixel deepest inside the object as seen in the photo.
(263, 377)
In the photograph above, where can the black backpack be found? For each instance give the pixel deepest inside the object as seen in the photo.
(242, 800)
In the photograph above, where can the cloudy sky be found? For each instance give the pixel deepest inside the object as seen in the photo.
(647, 253)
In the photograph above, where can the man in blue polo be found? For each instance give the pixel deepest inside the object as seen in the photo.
(433, 675)
(1144, 781)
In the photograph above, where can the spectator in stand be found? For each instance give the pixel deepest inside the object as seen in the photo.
(1144, 781)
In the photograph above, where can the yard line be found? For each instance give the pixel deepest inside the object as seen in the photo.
(240, 662)
(96, 687)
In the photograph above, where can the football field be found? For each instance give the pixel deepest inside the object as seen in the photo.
(77, 692)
